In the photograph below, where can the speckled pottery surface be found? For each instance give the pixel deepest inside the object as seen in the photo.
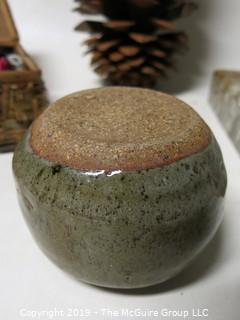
(121, 187)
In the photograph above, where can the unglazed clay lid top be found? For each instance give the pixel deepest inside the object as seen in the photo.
(118, 128)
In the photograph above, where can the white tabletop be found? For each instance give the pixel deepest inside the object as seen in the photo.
(31, 286)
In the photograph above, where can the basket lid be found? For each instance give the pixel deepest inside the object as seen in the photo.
(8, 31)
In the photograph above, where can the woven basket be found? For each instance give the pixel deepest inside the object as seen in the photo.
(22, 92)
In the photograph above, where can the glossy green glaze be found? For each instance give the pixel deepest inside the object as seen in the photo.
(122, 229)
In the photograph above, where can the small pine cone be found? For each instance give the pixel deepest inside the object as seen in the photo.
(137, 45)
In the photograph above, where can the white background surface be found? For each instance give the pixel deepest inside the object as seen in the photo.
(27, 279)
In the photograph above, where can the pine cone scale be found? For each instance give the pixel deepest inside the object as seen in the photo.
(129, 51)
(118, 24)
(142, 38)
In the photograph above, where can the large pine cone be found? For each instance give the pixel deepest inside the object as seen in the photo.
(138, 41)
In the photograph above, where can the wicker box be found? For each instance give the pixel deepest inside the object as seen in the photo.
(22, 93)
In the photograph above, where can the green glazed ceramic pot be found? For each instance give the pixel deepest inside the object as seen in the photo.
(120, 187)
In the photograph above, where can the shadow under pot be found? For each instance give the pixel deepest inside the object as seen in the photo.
(120, 187)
